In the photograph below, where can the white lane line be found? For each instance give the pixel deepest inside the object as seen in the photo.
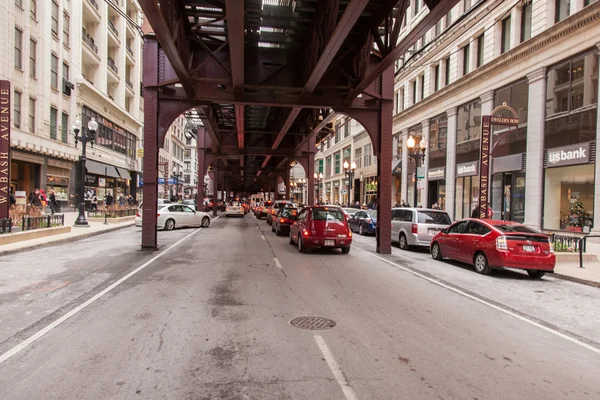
(278, 263)
(495, 307)
(263, 237)
(77, 309)
(335, 369)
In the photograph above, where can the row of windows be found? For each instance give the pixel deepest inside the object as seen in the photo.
(17, 118)
(346, 153)
(110, 135)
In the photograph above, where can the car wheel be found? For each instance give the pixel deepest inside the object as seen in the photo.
(402, 242)
(360, 230)
(301, 248)
(291, 239)
(345, 250)
(481, 264)
(436, 252)
(535, 274)
(170, 225)
(205, 222)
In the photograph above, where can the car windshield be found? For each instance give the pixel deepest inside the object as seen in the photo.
(235, 204)
(372, 213)
(327, 214)
(351, 211)
(289, 213)
(515, 228)
(268, 203)
(434, 217)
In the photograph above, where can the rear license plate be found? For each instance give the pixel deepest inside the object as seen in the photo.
(528, 248)
(330, 243)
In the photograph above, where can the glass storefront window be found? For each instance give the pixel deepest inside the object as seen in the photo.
(466, 197)
(468, 125)
(111, 135)
(438, 132)
(569, 198)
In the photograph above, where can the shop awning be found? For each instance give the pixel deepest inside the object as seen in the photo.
(96, 168)
(124, 173)
(396, 167)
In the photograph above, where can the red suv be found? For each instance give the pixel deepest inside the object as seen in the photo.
(321, 226)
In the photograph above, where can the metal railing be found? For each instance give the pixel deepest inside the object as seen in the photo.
(47, 221)
(582, 247)
(129, 50)
(129, 84)
(112, 65)
(87, 39)
(93, 2)
(6, 225)
(112, 213)
(112, 28)
(566, 244)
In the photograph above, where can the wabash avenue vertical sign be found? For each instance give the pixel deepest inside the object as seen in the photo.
(4, 147)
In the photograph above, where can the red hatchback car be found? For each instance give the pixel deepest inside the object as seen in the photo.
(321, 226)
(492, 244)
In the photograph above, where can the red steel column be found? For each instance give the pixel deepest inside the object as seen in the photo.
(286, 182)
(215, 191)
(384, 165)
(200, 142)
(151, 114)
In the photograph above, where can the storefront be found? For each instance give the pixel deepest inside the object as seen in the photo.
(25, 172)
(328, 197)
(336, 192)
(397, 180)
(467, 189)
(370, 185)
(437, 187)
(508, 188)
(103, 179)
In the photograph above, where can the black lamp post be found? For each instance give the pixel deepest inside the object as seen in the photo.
(349, 171)
(417, 154)
(84, 138)
(176, 175)
(318, 180)
(301, 183)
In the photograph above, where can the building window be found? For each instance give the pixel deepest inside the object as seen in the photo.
(54, 71)
(466, 5)
(17, 109)
(54, 24)
(368, 151)
(65, 128)
(33, 8)
(505, 44)
(65, 72)
(436, 73)
(466, 58)
(328, 167)
(347, 129)
(588, 2)
(561, 9)
(438, 132)
(468, 122)
(53, 117)
(338, 134)
(447, 67)
(438, 28)
(18, 48)
(32, 58)
(337, 162)
(358, 157)
(417, 6)
(448, 19)
(19, 3)
(526, 21)
(31, 115)
(480, 50)
(66, 28)
(422, 82)
(414, 90)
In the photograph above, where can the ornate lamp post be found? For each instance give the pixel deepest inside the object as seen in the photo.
(318, 181)
(176, 175)
(300, 184)
(349, 171)
(84, 138)
(417, 154)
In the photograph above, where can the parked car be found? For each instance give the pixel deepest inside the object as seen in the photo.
(262, 209)
(282, 221)
(235, 208)
(275, 207)
(417, 226)
(171, 216)
(138, 215)
(191, 203)
(364, 221)
(494, 244)
(321, 226)
(350, 212)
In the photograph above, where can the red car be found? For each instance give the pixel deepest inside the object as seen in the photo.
(321, 226)
(492, 244)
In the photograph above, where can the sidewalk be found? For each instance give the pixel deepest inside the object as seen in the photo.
(95, 228)
(588, 275)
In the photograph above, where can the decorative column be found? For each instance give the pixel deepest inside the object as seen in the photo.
(487, 102)
(286, 181)
(596, 227)
(404, 181)
(451, 162)
(425, 165)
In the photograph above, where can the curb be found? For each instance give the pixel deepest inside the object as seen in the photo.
(577, 280)
(4, 253)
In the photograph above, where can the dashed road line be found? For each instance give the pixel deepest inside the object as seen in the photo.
(335, 369)
(278, 263)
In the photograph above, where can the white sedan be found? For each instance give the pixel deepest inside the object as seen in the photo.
(235, 209)
(171, 216)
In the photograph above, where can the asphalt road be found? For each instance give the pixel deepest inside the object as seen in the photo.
(209, 319)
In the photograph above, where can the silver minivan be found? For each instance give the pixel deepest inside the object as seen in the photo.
(417, 226)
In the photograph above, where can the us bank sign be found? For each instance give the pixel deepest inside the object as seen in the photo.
(569, 155)
(4, 147)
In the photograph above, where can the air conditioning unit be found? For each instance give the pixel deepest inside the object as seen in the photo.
(67, 87)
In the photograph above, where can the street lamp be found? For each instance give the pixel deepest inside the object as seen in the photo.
(84, 138)
(318, 180)
(301, 183)
(349, 171)
(176, 175)
(417, 154)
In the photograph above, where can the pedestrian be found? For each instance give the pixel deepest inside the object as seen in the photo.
(11, 199)
(52, 202)
(35, 199)
(109, 199)
(121, 201)
(43, 198)
(94, 202)
(357, 204)
(130, 201)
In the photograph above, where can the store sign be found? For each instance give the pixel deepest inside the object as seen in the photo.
(140, 153)
(435, 174)
(4, 147)
(466, 169)
(513, 162)
(569, 155)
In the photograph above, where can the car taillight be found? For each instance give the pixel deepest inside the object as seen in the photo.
(368, 220)
(305, 232)
(273, 212)
(158, 215)
(414, 228)
(501, 243)
(282, 220)
(349, 233)
(138, 214)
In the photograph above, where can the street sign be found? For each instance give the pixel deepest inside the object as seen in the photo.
(421, 172)
(140, 153)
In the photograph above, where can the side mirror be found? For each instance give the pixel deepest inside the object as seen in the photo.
(445, 230)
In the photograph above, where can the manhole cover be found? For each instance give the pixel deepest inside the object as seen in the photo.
(312, 323)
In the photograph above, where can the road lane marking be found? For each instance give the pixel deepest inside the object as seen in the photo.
(82, 306)
(335, 369)
(263, 237)
(487, 303)
(278, 263)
